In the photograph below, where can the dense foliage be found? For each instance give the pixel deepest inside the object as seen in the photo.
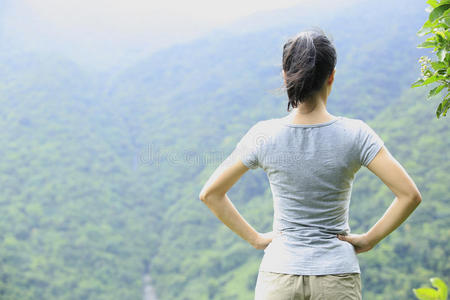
(437, 71)
(101, 173)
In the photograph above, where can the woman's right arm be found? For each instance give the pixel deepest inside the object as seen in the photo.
(408, 197)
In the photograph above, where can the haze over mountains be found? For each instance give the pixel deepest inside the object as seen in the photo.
(101, 170)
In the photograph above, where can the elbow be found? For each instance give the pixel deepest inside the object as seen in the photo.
(204, 194)
(209, 196)
(413, 198)
(416, 197)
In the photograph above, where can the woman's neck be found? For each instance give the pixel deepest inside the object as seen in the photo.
(311, 113)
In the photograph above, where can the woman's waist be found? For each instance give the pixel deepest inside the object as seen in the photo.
(313, 236)
(292, 247)
(311, 229)
(283, 255)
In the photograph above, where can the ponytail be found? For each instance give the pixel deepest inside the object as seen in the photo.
(309, 58)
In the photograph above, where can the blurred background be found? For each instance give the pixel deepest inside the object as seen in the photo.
(115, 113)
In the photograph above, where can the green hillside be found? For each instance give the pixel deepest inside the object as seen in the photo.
(101, 174)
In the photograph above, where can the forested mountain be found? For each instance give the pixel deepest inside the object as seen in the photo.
(101, 173)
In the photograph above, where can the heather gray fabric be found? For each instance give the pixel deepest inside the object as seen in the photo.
(310, 170)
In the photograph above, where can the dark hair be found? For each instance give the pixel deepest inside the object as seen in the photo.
(309, 58)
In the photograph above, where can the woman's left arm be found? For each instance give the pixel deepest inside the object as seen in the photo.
(214, 196)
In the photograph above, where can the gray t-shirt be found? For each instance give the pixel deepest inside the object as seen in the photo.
(311, 170)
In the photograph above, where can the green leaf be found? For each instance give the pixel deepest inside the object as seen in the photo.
(427, 45)
(446, 20)
(440, 38)
(442, 21)
(438, 65)
(436, 281)
(433, 3)
(447, 34)
(431, 38)
(427, 24)
(430, 80)
(438, 11)
(441, 73)
(424, 31)
(435, 91)
(426, 294)
(446, 105)
(417, 83)
(441, 54)
(441, 25)
(438, 114)
(422, 82)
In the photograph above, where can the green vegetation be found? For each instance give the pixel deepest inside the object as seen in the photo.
(433, 294)
(101, 174)
(437, 71)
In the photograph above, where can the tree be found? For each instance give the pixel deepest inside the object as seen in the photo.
(437, 71)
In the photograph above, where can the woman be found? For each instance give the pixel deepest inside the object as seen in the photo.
(310, 157)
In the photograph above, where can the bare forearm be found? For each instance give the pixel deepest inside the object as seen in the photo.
(224, 209)
(395, 215)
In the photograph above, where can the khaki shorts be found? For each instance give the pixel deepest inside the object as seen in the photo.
(277, 286)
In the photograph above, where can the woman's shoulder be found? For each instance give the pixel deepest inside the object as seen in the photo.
(265, 130)
(351, 121)
(357, 121)
(354, 124)
(270, 125)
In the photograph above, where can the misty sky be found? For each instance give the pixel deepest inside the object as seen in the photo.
(108, 30)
